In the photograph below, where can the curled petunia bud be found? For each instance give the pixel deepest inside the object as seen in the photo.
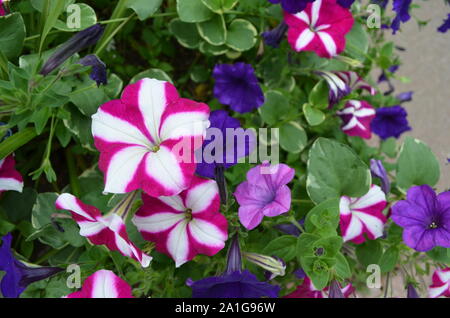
(274, 265)
(273, 37)
(411, 291)
(98, 73)
(335, 290)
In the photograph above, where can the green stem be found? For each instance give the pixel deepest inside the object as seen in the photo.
(296, 224)
(16, 141)
(103, 45)
(73, 177)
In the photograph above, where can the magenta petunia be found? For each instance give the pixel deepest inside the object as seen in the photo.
(184, 225)
(441, 283)
(147, 139)
(103, 284)
(101, 229)
(356, 117)
(265, 193)
(364, 215)
(2, 9)
(10, 178)
(320, 28)
(308, 290)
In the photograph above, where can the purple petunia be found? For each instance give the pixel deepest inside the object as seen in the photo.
(293, 6)
(98, 73)
(446, 25)
(401, 7)
(345, 3)
(273, 37)
(265, 193)
(237, 86)
(405, 97)
(425, 218)
(378, 171)
(390, 122)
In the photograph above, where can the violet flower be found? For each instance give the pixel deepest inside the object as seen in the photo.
(401, 7)
(273, 37)
(237, 86)
(345, 3)
(98, 73)
(378, 171)
(293, 6)
(2, 9)
(18, 275)
(75, 44)
(411, 291)
(405, 97)
(233, 283)
(265, 193)
(425, 218)
(390, 122)
(445, 26)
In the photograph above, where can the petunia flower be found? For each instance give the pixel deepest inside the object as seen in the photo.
(275, 266)
(425, 218)
(234, 282)
(184, 225)
(401, 7)
(103, 284)
(265, 193)
(345, 3)
(101, 229)
(378, 171)
(273, 37)
(446, 25)
(390, 122)
(148, 137)
(293, 6)
(17, 274)
(2, 9)
(98, 73)
(356, 117)
(308, 290)
(441, 283)
(236, 85)
(320, 28)
(411, 292)
(10, 178)
(338, 87)
(355, 82)
(364, 215)
(75, 44)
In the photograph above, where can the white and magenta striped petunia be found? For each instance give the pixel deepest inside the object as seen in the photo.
(441, 283)
(101, 229)
(103, 284)
(308, 290)
(320, 28)
(356, 117)
(355, 82)
(147, 139)
(364, 215)
(10, 178)
(184, 225)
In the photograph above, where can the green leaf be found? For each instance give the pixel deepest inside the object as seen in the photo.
(40, 118)
(6, 227)
(144, 8)
(88, 18)
(369, 252)
(186, 33)
(193, 11)
(220, 6)
(242, 35)
(357, 42)
(12, 35)
(17, 206)
(335, 170)
(342, 267)
(276, 105)
(319, 96)
(323, 219)
(416, 165)
(16, 141)
(214, 30)
(293, 137)
(155, 73)
(313, 116)
(440, 254)
(52, 10)
(88, 98)
(389, 259)
(210, 49)
(283, 247)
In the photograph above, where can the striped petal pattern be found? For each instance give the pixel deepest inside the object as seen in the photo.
(106, 230)
(320, 28)
(364, 215)
(147, 139)
(10, 178)
(184, 225)
(441, 283)
(356, 117)
(103, 284)
(355, 82)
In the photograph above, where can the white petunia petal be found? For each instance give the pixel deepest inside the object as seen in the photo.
(304, 39)
(201, 196)
(354, 229)
(158, 222)
(69, 202)
(11, 184)
(185, 124)
(372, 223)
(104, 285)
(374, 196)
(328, 42)
(178, 243)
(207, 233)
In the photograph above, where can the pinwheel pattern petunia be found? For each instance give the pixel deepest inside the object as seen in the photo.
(356, 117)
(101, 229)
(441, 283)
(147, 139)
(103, 284)
(10, 178)
(364, 215)
(320, 28)
(184, 225)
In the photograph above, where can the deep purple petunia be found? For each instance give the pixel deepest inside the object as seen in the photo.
(265, 193)
(405, 97)
(234, 283)
(98, 73)
(382, 3)
(401, 7)
(390, 122)
(293, 6)
(411, 291)
(425, 218)
(378, 171)
(273, 37)
(345, 3)
(446, 25)
(18, 275)
(237, 86)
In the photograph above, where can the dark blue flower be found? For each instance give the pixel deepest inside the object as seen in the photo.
(98, 73)
(18, 276)
(289, 228)
(405, 97)
(390, 122)
(237, 86)
(446, 25)
(378, 171)
(412, 292)
(383, 77)
(345, 3)
(75, 44)
(273, 37)
(293, 6)
(401, 7)
(382, 3)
